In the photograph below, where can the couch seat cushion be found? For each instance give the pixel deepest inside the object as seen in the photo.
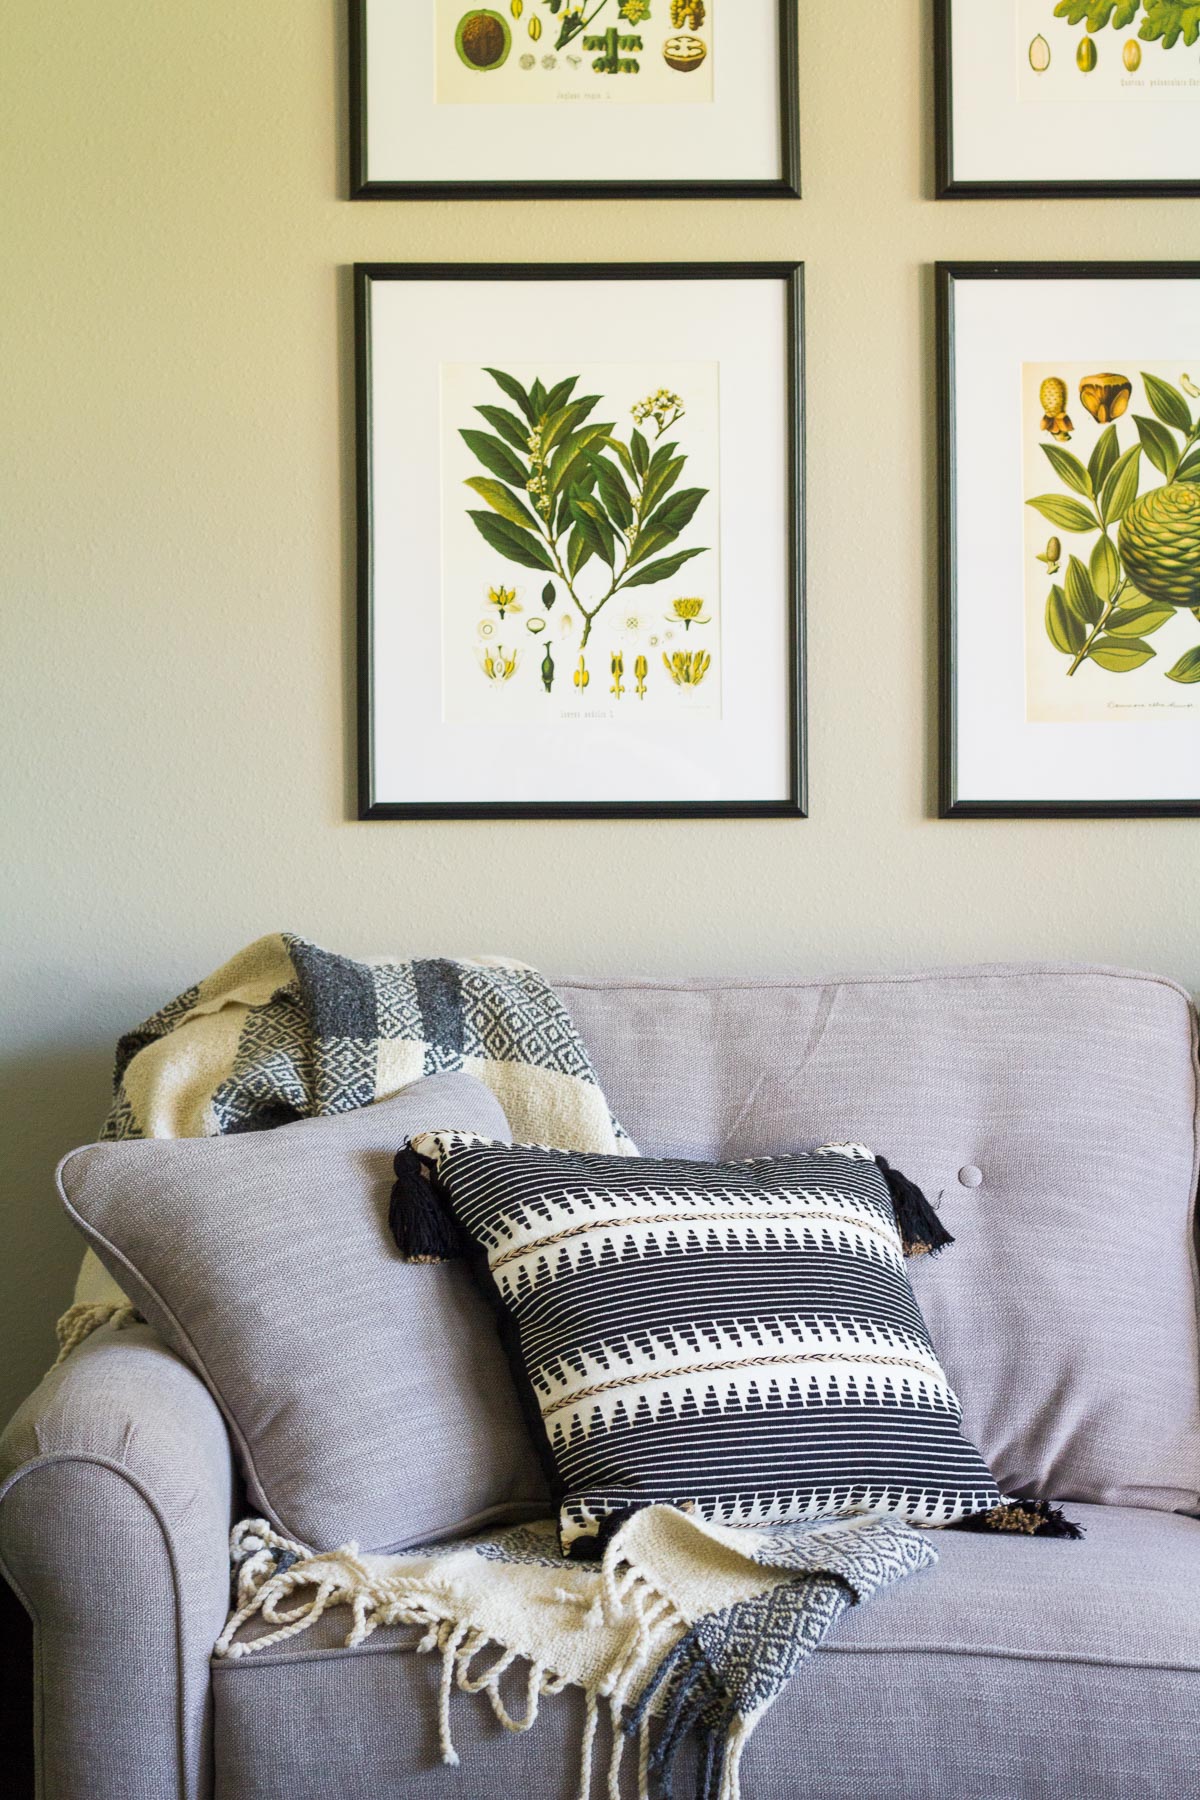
(1016, 1670)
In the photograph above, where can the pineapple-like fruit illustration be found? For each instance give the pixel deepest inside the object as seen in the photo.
(1160, 544)
(1053, 396)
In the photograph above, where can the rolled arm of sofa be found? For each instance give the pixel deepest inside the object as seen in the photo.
(116, 1490)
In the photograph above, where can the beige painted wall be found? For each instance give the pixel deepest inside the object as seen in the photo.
(176, 559)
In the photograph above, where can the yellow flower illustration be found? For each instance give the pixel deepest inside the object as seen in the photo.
(640, 669)
(504, 600)
(618, 669)
(500, 665)
(581, 677)
(687, 668)
(689, 611)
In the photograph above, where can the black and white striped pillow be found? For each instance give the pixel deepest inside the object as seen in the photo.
(740, 1338)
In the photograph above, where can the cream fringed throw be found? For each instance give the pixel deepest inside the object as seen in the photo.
(288, 1031)
(684, 1630)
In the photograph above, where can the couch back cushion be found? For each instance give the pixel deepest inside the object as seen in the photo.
(1049, 1113)
(361, 1391)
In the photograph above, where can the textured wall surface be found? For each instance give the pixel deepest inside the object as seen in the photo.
(176, 569)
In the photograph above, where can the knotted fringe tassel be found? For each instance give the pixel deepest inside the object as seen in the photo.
(78, 1323)
(1028, 1518)
(421, 1222)
(693, 1704)
(921, 1231)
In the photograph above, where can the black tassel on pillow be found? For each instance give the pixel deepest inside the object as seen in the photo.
(1029, 1518)
(424, 1230)
(921, 1231)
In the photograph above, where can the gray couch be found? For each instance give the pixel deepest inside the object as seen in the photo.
(1051, 1114)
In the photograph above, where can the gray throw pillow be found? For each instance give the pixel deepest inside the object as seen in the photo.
(369, 1401)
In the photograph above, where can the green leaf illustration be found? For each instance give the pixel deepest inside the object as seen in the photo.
(1081, 595)
(1121, 488)
(510, 386)
(559, 425)
(662, 571)
(1065, 631)
(1103, 458)
(558, 396)
(579, 552)
(1120, 655)
(581, 484)
(1168, 19)
(568, 461)
(649, 543)
(660, 481)
(502, 501)
(1070, 470)
(1159, 444)
(1105, 568)
(612, 490)
(1068, 515)
(1138, 620)
(1189, 468)
(639, 449)
(1098, 12)
(510, 428)
(676, 513)
(592, 524)
(511, 542)
(496, 456)
(537, 400)
(623, 452)
(1187, 669)
(1168, 403)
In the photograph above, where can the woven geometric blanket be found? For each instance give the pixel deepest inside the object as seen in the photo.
(685, 1630)
(288, 1031)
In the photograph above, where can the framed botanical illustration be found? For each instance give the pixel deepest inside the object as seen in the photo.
(580, 502)
(574, 99)
(1070, 468)
(1067, 98)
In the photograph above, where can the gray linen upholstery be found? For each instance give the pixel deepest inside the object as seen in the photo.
(1065, 1315)
(367, 1397)
(1018, 1669)
(116, 1483)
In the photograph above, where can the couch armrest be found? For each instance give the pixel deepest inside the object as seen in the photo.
(116, 1490)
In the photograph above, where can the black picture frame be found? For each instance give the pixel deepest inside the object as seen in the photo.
(795, 804)
(785, 187)
(950, 805)
(948, 187)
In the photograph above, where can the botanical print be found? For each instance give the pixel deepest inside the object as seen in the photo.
(1075, 52)
(580, 549)
(1112, 539)
(536, 52)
